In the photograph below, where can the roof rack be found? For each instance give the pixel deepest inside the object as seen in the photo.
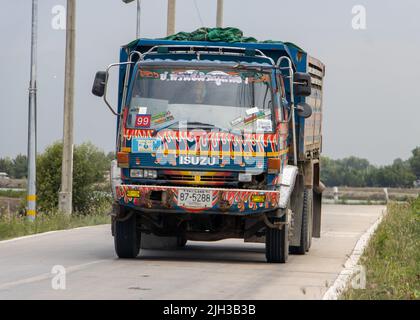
(208, 50)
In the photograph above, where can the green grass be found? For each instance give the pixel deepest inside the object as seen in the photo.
(392, 257)
(16, 226)
(12, 193)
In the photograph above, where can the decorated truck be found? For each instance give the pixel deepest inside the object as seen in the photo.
(216, 140)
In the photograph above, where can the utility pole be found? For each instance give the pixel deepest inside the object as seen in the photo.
(31, 187)
(171, 17)
(138, 18)
(219, 19)
(65, 195)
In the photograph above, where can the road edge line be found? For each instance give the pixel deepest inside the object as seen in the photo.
(47, 276)
(41, 234)
(346, 274)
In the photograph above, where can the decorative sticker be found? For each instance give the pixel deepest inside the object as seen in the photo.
(264, 125)
(143, 121)
(162, 117)
(218, 77)
(236, 121)
(255, 116)
(146, 145)
(142, 110)
(252, 111)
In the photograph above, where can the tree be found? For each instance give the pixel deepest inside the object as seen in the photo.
(397, 175)
(415, 162)
(110, 156)
(351, 171)
(49, 177)
(20, 167)
(356, 172)
(89, 165)
(6, 165)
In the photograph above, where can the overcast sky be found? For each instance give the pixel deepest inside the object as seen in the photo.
(372, 86)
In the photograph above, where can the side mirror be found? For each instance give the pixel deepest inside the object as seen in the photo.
(304, 110)
(302, 84)
(99, 84)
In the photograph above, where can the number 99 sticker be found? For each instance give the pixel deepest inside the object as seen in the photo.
(143, 120)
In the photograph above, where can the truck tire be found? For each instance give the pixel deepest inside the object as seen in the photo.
(181, 241)
(277, 244)
(310, 219)
(306, 234)
(126, 238)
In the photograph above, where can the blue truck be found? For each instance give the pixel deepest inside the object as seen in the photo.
(216, 140)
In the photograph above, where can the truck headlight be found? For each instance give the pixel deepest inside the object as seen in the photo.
(136, 173)
(150, 174)
(245, 177)
(143, 173)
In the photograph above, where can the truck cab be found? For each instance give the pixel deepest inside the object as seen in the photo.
(210, 145)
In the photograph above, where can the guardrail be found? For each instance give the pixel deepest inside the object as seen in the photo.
(370, 195)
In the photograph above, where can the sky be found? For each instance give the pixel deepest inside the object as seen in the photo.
(371, 89)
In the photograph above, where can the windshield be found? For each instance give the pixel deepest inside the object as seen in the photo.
(225, 99)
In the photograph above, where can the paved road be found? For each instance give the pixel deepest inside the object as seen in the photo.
(228, 269)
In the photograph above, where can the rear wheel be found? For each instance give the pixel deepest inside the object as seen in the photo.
(126, 238)
(306, 227)
(310, 220)
(181, 241)
(277, 244)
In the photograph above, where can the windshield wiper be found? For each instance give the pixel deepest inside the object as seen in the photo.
(156, 130)
(175, 122)
(199, 125)
(196, 125)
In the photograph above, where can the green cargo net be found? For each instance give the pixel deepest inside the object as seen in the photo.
(212, 34)
(220, 35)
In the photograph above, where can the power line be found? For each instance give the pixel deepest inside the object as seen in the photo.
(198, 12)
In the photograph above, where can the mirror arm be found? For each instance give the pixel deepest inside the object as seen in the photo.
(106, 85)
(292, 101)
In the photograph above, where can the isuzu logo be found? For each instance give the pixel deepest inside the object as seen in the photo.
(198, 161)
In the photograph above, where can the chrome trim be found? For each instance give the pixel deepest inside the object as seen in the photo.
(292, 100)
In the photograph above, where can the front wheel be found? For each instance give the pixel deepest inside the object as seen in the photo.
(277, 244)
(126, 238)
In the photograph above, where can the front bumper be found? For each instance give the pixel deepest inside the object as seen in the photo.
(224, 201)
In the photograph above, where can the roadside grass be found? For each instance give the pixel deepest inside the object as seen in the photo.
(12, 193)
(392, 257)
(17, 226)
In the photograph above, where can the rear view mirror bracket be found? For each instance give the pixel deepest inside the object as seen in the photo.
(100, 84)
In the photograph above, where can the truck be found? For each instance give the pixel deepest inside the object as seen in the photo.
(216, 140)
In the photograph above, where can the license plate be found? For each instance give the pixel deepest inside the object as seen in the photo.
(195, 198)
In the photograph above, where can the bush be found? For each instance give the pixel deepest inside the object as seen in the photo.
(89, 166)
